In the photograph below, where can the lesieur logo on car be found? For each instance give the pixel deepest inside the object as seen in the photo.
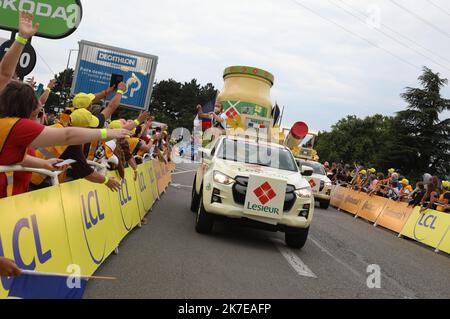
(265, 193)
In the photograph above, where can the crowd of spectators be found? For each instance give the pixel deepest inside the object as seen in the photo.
(79, 143)
(430, 193)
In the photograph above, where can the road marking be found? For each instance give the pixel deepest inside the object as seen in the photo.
(180, 186)
(294, 261)
(408, 293)
(184, 172)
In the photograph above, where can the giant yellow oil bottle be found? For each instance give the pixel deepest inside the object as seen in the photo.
(246, 92)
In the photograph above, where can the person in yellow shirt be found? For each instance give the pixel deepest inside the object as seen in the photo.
(444, 199)
(406, 190)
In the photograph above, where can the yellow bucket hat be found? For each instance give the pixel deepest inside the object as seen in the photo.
(405, 182)
(84, 118)
(372, 170)
(363, 172)
(117, 124)
(446, 184)
(83, 100)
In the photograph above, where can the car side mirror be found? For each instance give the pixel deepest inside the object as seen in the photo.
(307, 171)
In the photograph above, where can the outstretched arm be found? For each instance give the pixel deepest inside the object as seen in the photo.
(115, 102)
(74, 136)
(44, 97)
(9, 63)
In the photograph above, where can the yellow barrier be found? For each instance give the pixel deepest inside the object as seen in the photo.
(431, 228)
(372, 208)
(337, 196)
(77, 223)
(163, 175)
(394, 216)
(33, 233)
(353, 201)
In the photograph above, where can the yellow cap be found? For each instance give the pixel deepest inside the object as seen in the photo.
(405, 182)
(391, 171)
(363, 172)
(446, 184)
(373, 170)
(117, 124)
(84, 118)
(83, 100)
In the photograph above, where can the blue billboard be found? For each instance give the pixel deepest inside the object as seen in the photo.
(98, 64)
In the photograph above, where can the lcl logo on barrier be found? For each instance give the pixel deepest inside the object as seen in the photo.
(427, 222)
(124, 199)
(42, 255)
(142, 184)
(90, 221)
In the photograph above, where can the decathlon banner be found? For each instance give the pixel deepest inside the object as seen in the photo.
(33, 233)
(100, 64)
(430, 227)
(58, 18)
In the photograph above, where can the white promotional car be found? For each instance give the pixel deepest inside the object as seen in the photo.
(319, 181)
(255, 183)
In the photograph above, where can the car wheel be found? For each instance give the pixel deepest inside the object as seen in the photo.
(195, 198)
(205, 222)
(297, 240)
(325, 204)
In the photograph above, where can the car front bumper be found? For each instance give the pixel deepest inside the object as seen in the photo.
(230, 209)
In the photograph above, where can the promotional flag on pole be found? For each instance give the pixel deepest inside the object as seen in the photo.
(208, 108)
(34, 285)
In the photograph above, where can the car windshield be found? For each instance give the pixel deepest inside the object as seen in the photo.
(317, 167)
(258, 154)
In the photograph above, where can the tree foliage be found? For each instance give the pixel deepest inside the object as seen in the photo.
(415, 140)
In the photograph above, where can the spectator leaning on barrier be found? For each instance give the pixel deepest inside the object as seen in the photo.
(430, 198)
(19, 131)
(444, 199)
(81, 169)
(405, 191)
(417, 195)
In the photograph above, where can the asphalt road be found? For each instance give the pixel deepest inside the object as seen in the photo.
(168, 259)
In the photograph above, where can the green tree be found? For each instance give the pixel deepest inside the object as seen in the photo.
(421, 140)
(174, 103)
(355, 140)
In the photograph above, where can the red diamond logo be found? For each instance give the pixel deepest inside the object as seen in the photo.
(232, 113)
(265, 193)
(312, 183)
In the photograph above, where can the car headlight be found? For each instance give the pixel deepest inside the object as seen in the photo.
(304, 192)
(222, 178)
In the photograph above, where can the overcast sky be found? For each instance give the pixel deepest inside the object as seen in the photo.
(324, 70)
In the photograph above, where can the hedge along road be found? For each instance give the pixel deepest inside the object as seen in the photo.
(168, 259)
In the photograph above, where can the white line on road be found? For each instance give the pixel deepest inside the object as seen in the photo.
(184, 172)
(294, 261)
(409, 294)
(180, 186)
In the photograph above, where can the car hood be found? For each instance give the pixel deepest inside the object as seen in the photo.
(234, 169)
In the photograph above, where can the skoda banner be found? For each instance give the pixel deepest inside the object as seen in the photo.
(99, 66)
(58, 18)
